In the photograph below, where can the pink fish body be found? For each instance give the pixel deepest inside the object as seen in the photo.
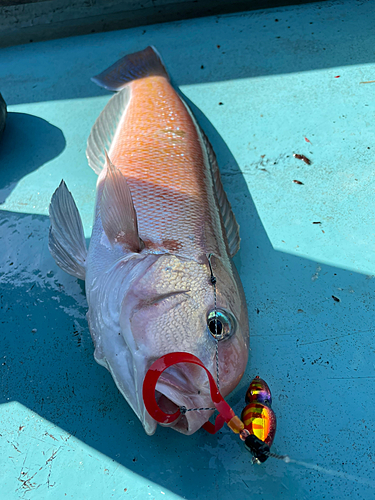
(161, 214)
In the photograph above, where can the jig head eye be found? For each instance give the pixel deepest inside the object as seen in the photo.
(221, 328)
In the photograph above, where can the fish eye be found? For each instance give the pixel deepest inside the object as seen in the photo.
(221, 328)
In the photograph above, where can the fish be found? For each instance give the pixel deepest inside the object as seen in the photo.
(159, 275)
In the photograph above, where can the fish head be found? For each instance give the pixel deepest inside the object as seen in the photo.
(171, 308)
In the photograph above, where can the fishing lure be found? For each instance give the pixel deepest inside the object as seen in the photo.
(259, 419)
(258, 425)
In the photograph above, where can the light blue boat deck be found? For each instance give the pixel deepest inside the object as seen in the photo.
(261, 83)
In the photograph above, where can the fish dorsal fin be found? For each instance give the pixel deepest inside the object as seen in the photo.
(147, 62)
(104, 129)
(141, 64)
(117, 211)
(232, 228)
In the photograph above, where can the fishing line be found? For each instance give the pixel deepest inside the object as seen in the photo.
(260, 449)
(331, 472)
(213, 280)
(284, 458)
(319, 468)
(184, 410)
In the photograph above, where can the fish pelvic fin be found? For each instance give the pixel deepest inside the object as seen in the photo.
(66, 240)
(140, 64)
(117, 211)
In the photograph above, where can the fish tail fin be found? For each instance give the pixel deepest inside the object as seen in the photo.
(66, 238)
(134, 66)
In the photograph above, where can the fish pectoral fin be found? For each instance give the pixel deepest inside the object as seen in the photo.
(117, 211)
(66, 238)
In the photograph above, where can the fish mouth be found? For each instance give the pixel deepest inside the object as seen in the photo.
(178, 388)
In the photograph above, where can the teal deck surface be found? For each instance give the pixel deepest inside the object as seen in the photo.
(282, 76)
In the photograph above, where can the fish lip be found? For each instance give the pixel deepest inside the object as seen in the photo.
(173, 395)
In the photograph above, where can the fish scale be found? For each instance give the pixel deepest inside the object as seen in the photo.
(162, 279)
(158, 149)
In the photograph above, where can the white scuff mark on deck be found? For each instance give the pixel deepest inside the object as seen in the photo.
(315, 276)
